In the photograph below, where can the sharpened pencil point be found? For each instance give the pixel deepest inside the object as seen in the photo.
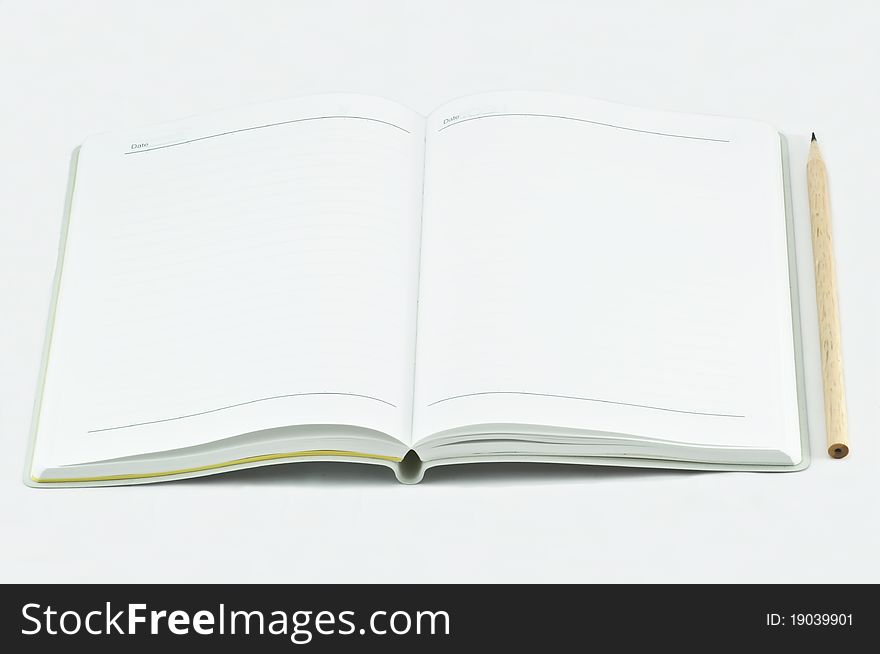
(814, 137)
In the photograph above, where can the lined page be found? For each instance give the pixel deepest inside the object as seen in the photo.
(252, 269)
(592, 266)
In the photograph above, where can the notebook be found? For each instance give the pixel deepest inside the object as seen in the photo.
(515, 277)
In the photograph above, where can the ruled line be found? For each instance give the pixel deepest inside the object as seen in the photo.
(248, 129)
(232, 406)
(589, 399)
(584, 120)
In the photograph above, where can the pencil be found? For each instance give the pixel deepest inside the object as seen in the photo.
(826, 303)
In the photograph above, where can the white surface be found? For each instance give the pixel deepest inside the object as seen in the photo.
(73, 70)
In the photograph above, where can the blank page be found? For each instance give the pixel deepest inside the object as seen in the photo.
(225, 274)
(592, 266)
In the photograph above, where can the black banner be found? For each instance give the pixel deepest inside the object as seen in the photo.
(280, 618)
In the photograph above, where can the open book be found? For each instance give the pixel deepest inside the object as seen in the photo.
(518, 277)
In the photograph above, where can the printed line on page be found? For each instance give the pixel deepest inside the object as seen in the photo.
(232, 406)
(589, 399)
(583, 120)
(248, 129)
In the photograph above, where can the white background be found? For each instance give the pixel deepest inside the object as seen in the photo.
(71, 69)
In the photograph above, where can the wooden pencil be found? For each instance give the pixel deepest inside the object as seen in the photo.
(826, 302)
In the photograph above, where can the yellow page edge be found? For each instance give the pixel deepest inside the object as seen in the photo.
(216, 466)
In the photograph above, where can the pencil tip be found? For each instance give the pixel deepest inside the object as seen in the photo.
(814, 137)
